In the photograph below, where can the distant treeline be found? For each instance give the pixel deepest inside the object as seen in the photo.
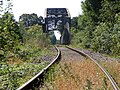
(30, 19)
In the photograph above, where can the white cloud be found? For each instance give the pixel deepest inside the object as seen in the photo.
(38, 6)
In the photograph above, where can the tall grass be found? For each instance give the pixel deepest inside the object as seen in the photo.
(77, 75)
(113, 68)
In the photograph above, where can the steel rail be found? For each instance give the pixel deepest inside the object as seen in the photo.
(37, 80)
(115, 86)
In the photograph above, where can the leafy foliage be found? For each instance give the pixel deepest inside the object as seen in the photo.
(98, 26)
(10, 36)
(74, 22)
(109, 15)
(17, 70)
(34, 42)
(12, 76)
(102, 38)
(30, 19)
(21, 49)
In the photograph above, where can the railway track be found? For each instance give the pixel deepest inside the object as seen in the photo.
(38, 80)
(115, 86)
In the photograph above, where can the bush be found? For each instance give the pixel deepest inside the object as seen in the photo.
(10, 36)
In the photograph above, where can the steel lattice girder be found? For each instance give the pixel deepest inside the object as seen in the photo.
(53, 15)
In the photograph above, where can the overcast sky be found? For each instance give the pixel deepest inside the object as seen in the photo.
(38, 6)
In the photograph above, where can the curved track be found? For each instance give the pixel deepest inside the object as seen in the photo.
(115, 86)
(37, 80)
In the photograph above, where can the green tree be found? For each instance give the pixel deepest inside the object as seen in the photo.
(74, 22)
(10, 36)
(98, 26)
(86, 23)
(30, 19)
(35, 36)
(106, 35)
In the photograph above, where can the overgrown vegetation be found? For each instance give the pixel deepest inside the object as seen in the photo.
(99, 26)
(99, 29)
(113, 68)
(22, 44)
(70, 75)
(22, 50)
(13, 75)
(10, 36)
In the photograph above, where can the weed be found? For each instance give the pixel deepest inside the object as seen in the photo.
(105, 85)
(89, 85)
(76, 75)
